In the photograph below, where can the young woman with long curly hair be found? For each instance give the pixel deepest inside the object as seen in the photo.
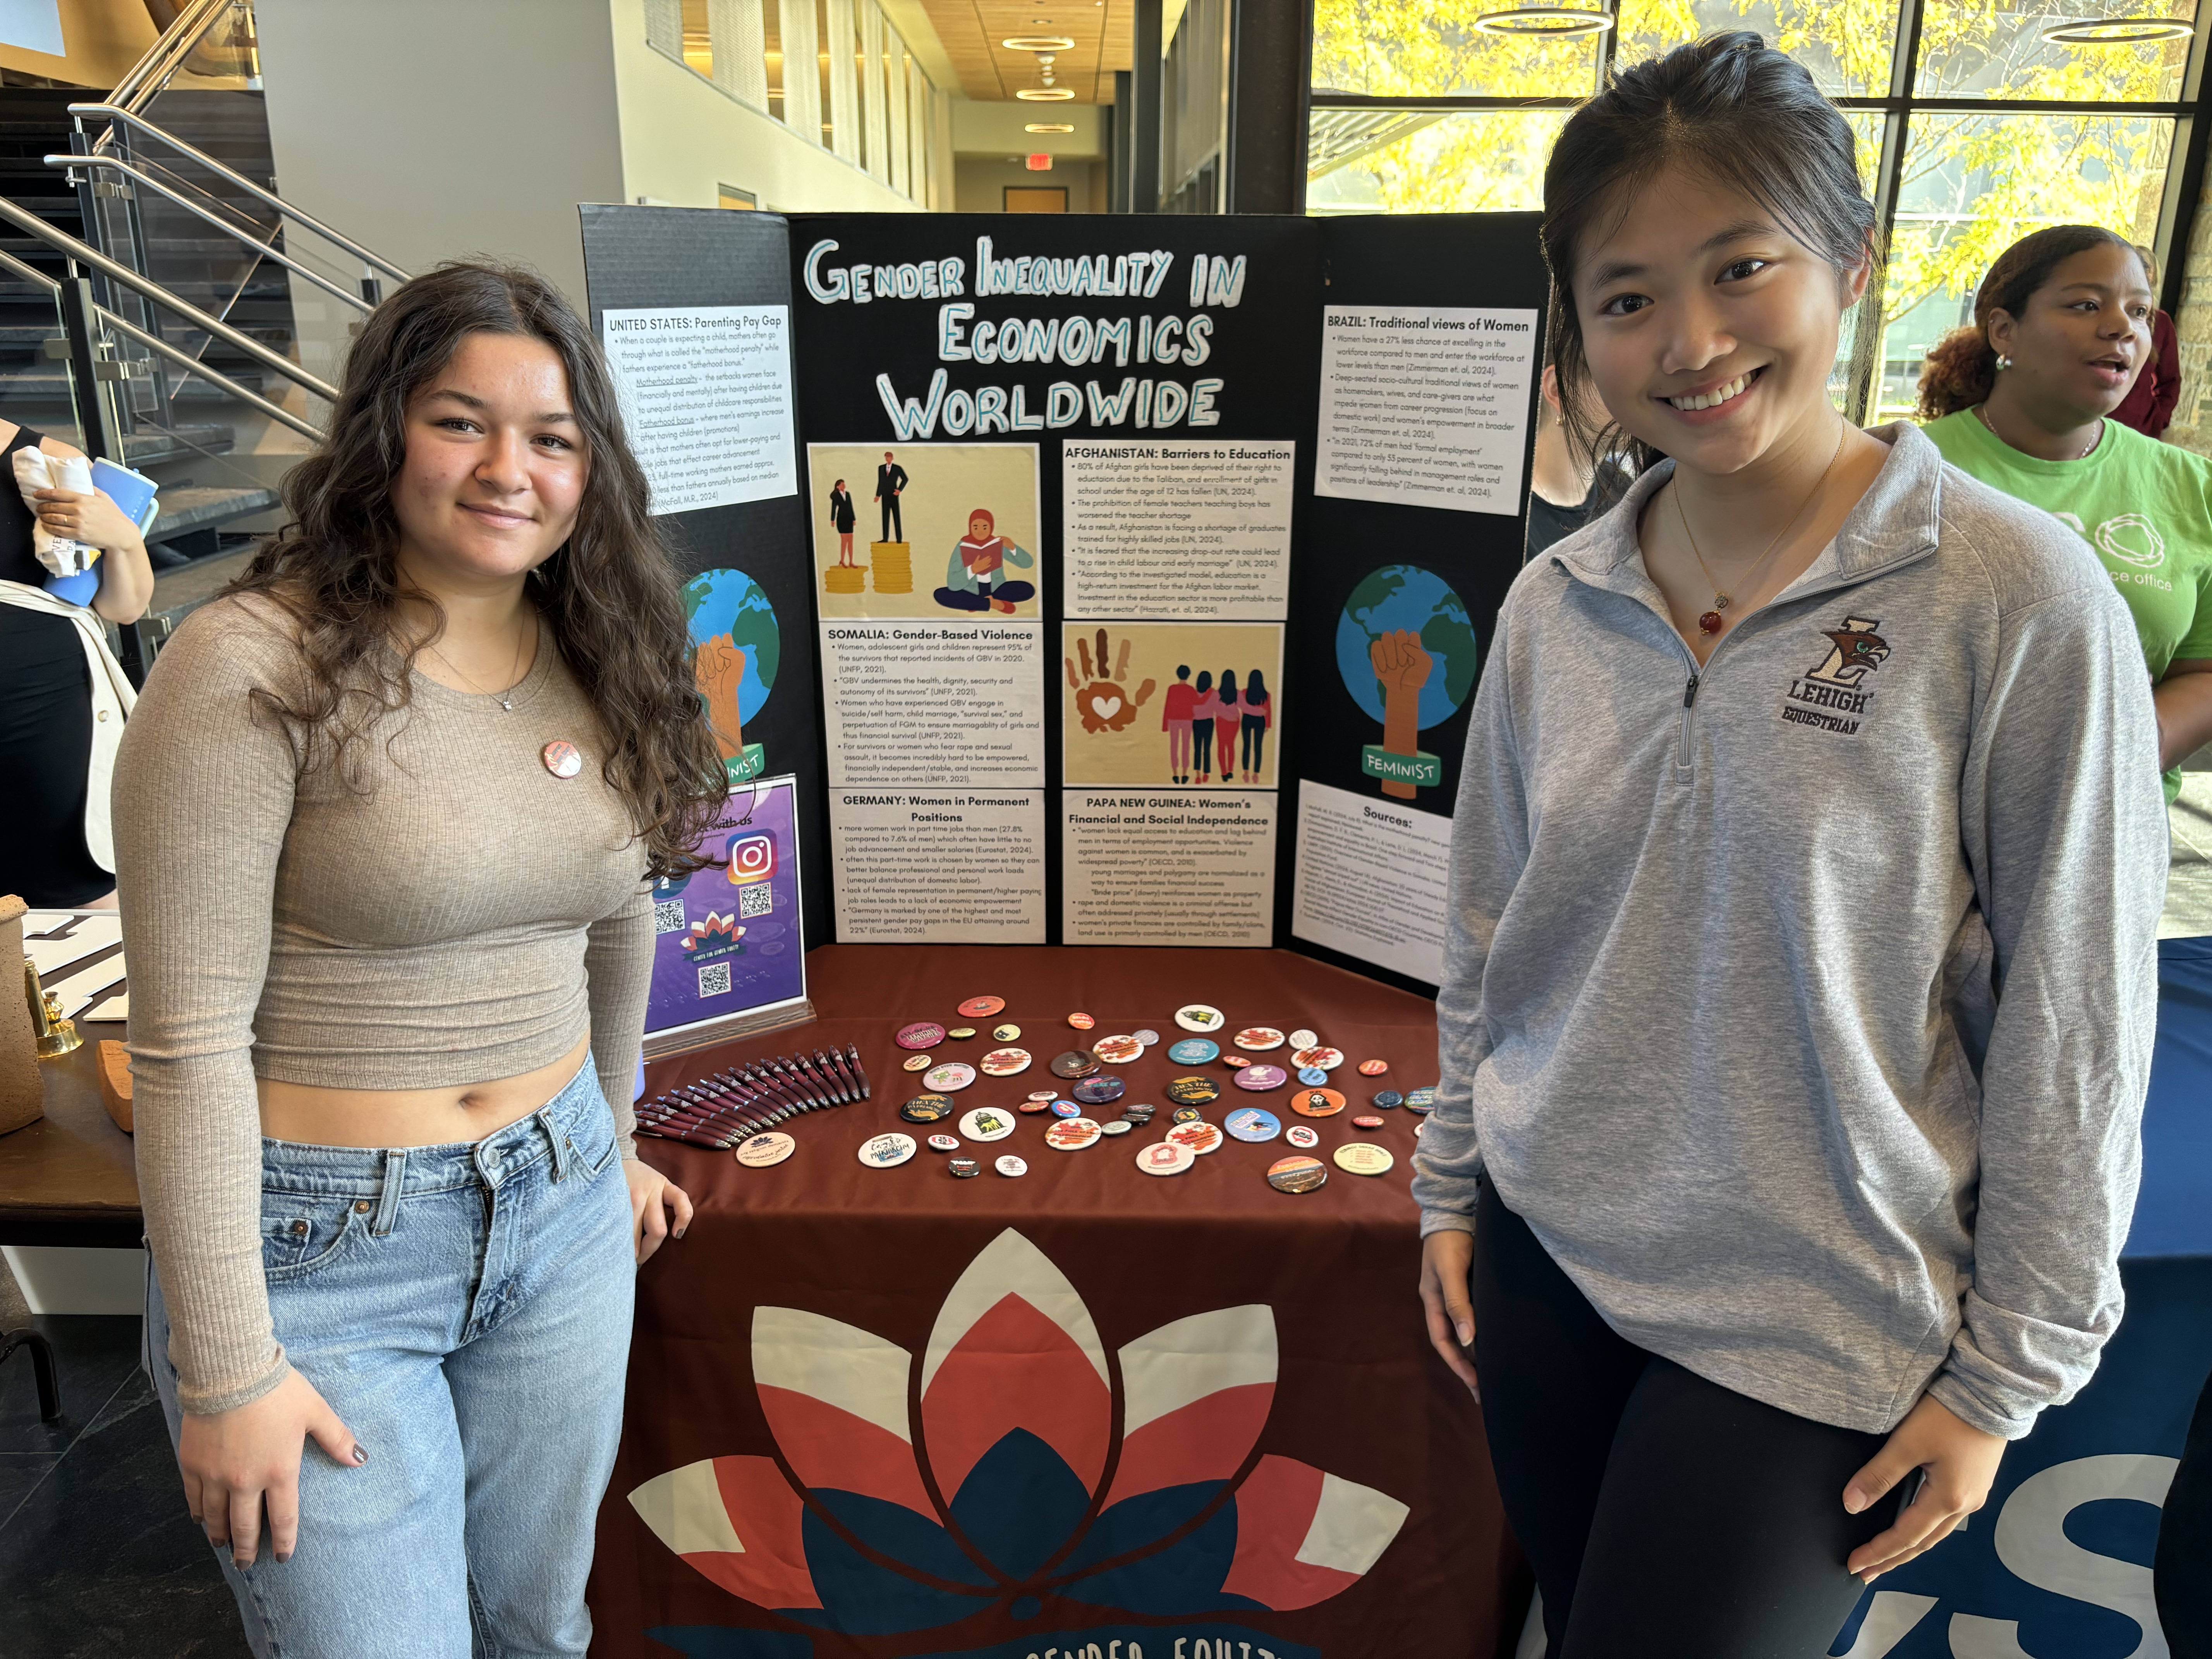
(386, 818)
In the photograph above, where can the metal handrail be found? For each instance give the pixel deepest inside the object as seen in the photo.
(63, 242)
(306, 220)
(170, 47)
(198, 212)
(184, 360)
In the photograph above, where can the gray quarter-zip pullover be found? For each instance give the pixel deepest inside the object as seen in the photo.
(1802, 1005)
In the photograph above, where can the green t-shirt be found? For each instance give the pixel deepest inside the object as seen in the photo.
(2144, 507)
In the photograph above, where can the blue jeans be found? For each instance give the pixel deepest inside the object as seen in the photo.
(465, 1311)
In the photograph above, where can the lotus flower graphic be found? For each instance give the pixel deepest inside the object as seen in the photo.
(713, 933)
(1005, 1483)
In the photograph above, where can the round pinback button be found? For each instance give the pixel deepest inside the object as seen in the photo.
(1166, 1158)
(1117, 1050)
(1081, 1022)
(1044, 1094)
(1364, 1157)
(1187, 1114)
(919, 1062)
(919, 1034)
(1421, 1100)
(1199, 1017)
(1099, 1090)
(1072, 1134)
(1316, 1103)
(1387, 1098)
(1312, 1076)
(1257, 1077)
(926, 1108)
(1200, 1138)
(1035, 1104)
(1193, 1051)
(562, 758)
(1368, 1121)
(949, 1078)
(1004, 1062)
(1193, 1091)
(884, 1150)
(961, 1033)
(1296, 1174)
(1120, 1125)
(1004, 1033)
(1237, 1062)
(1302, 1038)
(1010, 1165)
(1320, 1059)
(963, 1169)
(1258, 1039)
(1419, 1127)
(943, 1143)
(1373, 1067)
(982, 1007)
(988, 1123)
(1250, 1123)
(1147, 1036)
(763, 1150)
(1303, 1134)
(1076, 1062)
(1065, 1109)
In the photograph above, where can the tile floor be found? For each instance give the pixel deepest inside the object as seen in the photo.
(97, 1558)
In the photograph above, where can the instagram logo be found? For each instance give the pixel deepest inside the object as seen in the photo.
(751, 859)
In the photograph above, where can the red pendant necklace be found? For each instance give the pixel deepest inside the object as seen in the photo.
(1711, 621)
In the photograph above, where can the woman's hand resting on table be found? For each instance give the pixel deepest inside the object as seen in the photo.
(1961, 1462)
(655, 1202)
(1447, 1264)
(236, 1462)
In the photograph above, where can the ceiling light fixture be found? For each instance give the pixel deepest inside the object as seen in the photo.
(2117, 31)
(1049, 126)
(1039, 43)
(1549, 22)
(1045, 94)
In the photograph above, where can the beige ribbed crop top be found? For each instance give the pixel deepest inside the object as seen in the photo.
(467, 916)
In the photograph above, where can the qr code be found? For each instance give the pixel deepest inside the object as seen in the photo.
(756, 899)
(668, 917)
(713, 979)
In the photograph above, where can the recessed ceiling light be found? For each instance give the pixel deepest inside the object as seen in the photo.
(2118, 31)
(1548, 20)
(1045, 94)
(1049, 126)
(1039, 43)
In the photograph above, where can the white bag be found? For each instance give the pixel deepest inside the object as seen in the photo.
(35, 470)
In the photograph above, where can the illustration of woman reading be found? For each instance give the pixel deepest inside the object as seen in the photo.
(974, 577)
(841, 516)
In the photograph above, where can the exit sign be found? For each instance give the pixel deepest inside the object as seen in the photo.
(1040, 164)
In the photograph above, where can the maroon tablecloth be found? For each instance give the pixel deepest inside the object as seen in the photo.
(1085, 1413)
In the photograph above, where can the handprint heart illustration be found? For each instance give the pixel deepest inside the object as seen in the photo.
(1004, 1488)
(1100, 696)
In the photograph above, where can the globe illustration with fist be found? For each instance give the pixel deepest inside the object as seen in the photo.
(1392, 603)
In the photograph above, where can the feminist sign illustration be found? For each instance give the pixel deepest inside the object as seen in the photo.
(1014, 1432)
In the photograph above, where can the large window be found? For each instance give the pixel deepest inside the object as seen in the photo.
(1974, 126)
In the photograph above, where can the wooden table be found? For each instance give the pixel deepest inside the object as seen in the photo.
(70, 1178)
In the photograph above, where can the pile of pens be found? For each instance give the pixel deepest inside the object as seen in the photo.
(721, 1110)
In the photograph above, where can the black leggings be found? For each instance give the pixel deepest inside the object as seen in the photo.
(1667, 1517)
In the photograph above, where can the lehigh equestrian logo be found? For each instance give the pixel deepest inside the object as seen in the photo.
(1832, 696)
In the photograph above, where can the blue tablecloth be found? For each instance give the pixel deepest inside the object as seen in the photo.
(2058, 1565)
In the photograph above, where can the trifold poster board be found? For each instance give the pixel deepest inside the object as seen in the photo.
(1111, 580)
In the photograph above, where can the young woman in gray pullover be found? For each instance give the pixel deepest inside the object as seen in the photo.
(1800, 987)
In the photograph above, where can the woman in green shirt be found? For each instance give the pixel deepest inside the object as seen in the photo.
(2021, 400)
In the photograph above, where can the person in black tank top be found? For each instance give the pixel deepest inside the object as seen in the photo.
(46, 697)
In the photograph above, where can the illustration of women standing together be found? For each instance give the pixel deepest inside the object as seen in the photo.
(1200, 718)
(976, 575)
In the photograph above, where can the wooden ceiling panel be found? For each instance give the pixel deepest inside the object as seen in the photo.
(971, 30)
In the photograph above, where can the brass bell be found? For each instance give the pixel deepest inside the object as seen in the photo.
(55, 1035)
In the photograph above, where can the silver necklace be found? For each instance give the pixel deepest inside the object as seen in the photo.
(506, 698)
(2087, 449)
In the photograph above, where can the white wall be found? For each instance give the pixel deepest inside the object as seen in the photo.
(431, 129)
(681, 137)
